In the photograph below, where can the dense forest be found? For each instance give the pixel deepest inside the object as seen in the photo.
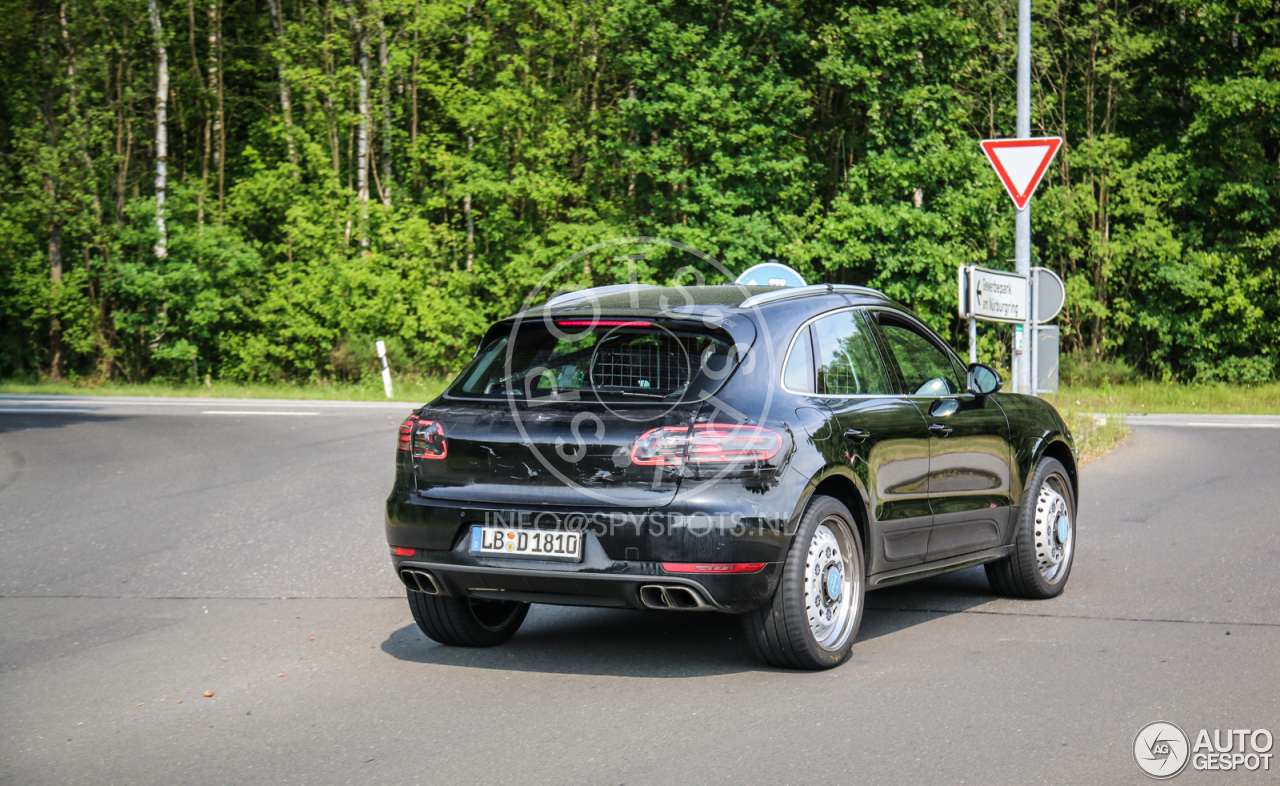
(256, 189)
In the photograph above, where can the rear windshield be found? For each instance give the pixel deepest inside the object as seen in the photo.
(607, 359)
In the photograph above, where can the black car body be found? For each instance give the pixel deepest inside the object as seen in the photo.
(682, 433)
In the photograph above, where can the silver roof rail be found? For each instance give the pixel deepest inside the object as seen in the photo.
(815, 289)
(594, 292)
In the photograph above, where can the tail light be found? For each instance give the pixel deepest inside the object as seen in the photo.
(707, 443)
(425, 438)
(406, 432)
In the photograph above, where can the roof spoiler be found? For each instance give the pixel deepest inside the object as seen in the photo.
(815, 289)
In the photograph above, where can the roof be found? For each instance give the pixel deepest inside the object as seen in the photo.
(687, 301)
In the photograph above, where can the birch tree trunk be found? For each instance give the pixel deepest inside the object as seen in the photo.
(362, 133)
(412, 126)
(385, 67)
(466, 199)
(286, 105)
(162, 131)
(51, 170)
(216, 85)
(204, 102)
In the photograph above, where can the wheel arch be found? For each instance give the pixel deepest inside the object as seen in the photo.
(844, 487)
(1059, 449)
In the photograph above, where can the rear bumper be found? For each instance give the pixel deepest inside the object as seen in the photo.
(589, 588)
(598, 580)
(623, 548)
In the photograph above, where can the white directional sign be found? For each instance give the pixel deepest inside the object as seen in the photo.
(1021, 163)
(1050, 293)
(994, 295)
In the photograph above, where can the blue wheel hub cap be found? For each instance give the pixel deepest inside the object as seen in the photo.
(834, 583)
(1064, 529)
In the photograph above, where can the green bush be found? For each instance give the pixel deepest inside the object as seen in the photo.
(502, 137)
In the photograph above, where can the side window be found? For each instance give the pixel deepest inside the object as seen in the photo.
(848, 364)
(926, 369)
(798, 375)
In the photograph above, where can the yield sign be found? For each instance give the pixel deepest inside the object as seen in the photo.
(1021, 163)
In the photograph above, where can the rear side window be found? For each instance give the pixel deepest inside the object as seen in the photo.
(926, 369)
(848, 363)
(611, 359)
(798, 375)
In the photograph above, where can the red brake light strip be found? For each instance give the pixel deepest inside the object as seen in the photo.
(713, 567)
(602, 323)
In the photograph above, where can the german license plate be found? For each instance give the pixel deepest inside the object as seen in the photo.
(537, 544)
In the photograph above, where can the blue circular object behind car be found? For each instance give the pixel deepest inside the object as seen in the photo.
(771, 274)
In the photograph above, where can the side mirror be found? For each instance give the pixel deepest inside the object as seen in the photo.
(983, 380)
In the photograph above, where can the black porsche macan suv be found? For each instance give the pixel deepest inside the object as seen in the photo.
(771, 453)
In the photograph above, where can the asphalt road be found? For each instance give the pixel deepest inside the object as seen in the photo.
(151, 551)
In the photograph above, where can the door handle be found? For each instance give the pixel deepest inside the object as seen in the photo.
(857, 435)
(940, 429)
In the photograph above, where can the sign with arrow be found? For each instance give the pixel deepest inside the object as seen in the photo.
(1021, 163)
(992, 295)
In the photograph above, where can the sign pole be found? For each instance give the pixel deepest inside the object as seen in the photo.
(1022, 238)
(1035, 334)
(973, 340)
(964, 292)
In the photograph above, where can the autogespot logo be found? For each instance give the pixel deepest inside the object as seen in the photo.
(1161, 749)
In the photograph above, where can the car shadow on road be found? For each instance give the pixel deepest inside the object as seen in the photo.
(625, 643)
(892, 609)
(31, 420)
(12, 461)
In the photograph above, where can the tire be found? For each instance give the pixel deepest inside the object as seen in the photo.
(1041, 561)
(802, 626)
(466, 622)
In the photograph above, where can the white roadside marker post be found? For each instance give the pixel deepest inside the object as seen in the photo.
(386, 370)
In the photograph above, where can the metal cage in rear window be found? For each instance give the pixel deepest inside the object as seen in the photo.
(612, 358)
(652, 361)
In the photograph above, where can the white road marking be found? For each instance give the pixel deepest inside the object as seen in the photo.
(1237, 425)
(196, 401)
(254, 412)
(25, 410)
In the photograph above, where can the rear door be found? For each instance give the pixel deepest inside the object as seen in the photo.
(563, 454)
(550, 412)
(880, 435)
(969, 455)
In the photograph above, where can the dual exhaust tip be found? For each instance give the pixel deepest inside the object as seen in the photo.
(668, 597)
(665, 597)
(420, 581)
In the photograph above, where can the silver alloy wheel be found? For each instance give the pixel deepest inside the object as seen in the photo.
(1055, 533)
(831, 584)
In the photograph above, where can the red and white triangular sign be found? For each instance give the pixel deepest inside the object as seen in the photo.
(1021, 163)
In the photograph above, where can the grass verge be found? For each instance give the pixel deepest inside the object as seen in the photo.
(1139, 397)
(1096, 435)
(410, 389)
